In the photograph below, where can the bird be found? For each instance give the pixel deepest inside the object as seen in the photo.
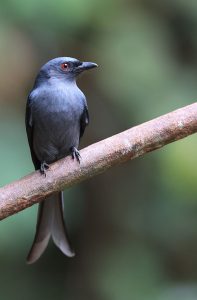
(56, 118)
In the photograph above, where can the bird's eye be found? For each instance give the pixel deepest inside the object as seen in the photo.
(64, 66)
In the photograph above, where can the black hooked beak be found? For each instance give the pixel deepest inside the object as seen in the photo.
(86, 65)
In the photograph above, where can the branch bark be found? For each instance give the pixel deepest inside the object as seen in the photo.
(97, 158)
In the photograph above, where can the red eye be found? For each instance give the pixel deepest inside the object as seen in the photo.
(64, 66)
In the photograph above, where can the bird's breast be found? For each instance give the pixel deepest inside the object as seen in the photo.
(56, 118)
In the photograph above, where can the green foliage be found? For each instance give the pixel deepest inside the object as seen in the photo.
(133, 228)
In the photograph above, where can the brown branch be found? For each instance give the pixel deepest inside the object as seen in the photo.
(97, 158)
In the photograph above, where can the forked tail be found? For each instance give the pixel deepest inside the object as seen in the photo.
(50, 223)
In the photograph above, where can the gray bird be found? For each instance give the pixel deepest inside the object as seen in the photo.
(56, 117)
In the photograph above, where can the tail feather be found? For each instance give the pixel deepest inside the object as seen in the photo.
(50, 222)
(59, 232)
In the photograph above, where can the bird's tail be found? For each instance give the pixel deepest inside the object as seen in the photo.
(50, 222)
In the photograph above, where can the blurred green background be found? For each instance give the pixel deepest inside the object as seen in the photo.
(134, 228)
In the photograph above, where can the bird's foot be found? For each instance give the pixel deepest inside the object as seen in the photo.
(75, 154)
(43, 167)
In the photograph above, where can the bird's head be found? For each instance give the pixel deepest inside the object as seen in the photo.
(65, 68)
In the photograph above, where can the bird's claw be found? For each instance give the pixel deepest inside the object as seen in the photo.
(75, 154)
(44, 166)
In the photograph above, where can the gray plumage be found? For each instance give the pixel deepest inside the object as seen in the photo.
(56, 117)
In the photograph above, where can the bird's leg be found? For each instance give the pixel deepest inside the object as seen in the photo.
(43, 167)
(75, 154)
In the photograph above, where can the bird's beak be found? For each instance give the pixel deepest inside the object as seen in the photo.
(86, 65)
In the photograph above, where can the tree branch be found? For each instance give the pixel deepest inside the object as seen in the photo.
(97, 158)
